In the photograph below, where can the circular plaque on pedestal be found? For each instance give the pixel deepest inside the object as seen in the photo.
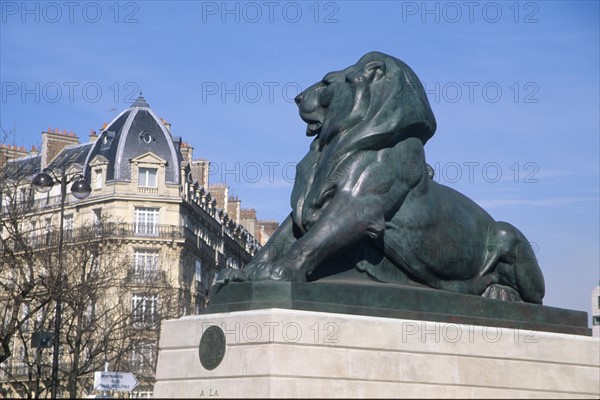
(212, 347)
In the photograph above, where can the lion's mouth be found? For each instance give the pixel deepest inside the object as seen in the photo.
(313, 123)
(313, 128)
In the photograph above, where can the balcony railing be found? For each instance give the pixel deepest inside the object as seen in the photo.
(147, 190)
(87, 234)
(20, 369)
(140, 367)
(146, 322)
(146, 276)
(32, 205)
(150, 230)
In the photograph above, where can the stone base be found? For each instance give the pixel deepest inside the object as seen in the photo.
(377, 299)
(295, 353)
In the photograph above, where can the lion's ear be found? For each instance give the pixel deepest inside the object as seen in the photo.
(375, 70)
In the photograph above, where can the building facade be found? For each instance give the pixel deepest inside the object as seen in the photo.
(596, 311)
(152, 219)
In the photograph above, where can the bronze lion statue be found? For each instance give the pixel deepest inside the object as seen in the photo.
(364, 200)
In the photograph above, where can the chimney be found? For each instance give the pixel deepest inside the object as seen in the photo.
(248, 219)
(54, 142)
(93, 136)
(186, 152)
(11, 152)
(3, 155)
(220, 192)
(233, 208)
(168, 125)
(200, 170)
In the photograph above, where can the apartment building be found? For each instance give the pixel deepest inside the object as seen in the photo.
(152, 219)
(596, 311)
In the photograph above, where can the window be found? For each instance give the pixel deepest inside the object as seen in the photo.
(199, 306)
(68, 227)
(142, 358)
(144, 309)
(20, 367)
(89, 317)
(94, 265)
(33, 234)
(107, 138)
(596, 320)
(147, 137)
(97, 220)
(23, 195)
(147, 177)
(99, 179)
(145, 264)
(198, 270)
(146, 221)
(25, 317)
(3, 369)
(48, 230)
(39, 318)
(201, 281)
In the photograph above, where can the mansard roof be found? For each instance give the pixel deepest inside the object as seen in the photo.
(70, 155)
(136, 131)
(22, 167)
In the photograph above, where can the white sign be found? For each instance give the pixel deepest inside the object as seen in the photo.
(120, 381)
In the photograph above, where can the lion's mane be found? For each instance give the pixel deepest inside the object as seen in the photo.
(398, 109)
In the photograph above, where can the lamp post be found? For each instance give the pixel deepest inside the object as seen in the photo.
(43, 183)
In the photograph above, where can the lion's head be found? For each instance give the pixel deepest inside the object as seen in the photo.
(373, 103)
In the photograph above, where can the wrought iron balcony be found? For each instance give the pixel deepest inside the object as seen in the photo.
(48, 238)
(31, 205)
(150, 231)
(141, 276)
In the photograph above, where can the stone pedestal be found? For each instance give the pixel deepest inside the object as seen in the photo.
(298, 353)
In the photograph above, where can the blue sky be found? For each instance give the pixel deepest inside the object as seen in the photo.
(514, 87)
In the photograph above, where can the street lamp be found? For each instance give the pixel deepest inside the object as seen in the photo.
(43, 183)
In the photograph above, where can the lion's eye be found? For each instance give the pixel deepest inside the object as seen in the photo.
(332, 77)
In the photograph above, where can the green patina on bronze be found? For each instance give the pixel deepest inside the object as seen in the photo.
(212, 347)
(364, 200)
(377, 299)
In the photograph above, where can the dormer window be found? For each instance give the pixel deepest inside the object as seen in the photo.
(107, 138)
(147, 137)
(147, 177)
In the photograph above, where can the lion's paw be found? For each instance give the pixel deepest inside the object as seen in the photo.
(264, 271)
(230, 275)
(501, 292)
